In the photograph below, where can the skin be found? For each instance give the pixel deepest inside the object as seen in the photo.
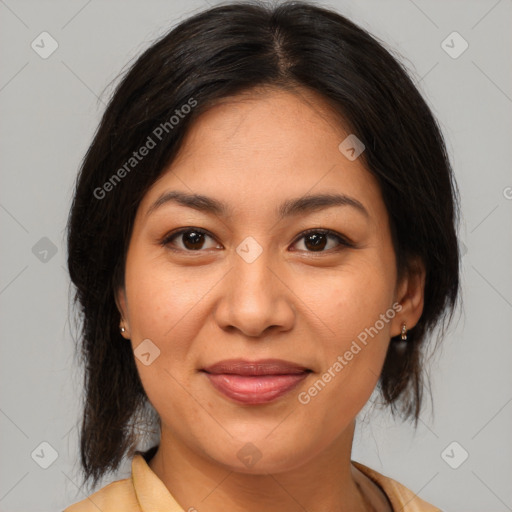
(203, 306)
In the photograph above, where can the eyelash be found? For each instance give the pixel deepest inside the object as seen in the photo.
(342, 241)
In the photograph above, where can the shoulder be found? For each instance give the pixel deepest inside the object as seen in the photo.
(119, 495)
(401, 498)
(142, 491)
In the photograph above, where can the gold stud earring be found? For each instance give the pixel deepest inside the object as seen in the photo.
(403, 334)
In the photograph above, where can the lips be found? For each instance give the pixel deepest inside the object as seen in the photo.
(255, 382)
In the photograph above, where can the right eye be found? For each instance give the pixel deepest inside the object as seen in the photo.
(190, 239)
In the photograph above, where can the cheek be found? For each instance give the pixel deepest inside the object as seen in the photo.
(355, 307)
(353, 362)
(161, 298)
(348, 301)
(164, 306)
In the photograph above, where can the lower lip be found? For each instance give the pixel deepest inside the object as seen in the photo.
(253, 390)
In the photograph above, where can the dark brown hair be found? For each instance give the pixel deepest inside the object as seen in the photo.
(216, 54)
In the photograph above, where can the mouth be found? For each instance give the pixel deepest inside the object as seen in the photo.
(255, 382)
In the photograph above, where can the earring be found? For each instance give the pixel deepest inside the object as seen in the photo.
(122, 329)
(403, 334)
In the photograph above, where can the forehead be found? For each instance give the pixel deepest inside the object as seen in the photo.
(266, 123)
(254, 150)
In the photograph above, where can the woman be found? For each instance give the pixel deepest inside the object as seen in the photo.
(263, 231)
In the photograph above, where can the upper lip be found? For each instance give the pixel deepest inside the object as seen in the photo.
(254, 368)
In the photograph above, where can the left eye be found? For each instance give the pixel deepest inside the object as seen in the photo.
(320, 241)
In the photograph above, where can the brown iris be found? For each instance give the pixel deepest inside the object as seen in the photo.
(315, 241)
(193, 240)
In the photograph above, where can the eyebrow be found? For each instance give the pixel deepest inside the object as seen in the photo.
(304, 204)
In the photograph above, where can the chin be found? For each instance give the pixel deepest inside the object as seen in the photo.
(259, 457)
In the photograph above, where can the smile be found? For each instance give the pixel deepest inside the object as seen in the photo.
(256, 382)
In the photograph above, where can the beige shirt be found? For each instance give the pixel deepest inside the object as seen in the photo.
(145, 492)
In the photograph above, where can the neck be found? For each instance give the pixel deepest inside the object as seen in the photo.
(327, 481)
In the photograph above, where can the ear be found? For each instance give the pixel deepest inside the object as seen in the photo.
(410, 294)
(120, 298)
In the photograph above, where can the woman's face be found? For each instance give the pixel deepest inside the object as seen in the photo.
(255, 276)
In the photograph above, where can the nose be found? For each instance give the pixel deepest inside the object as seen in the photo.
(254, 299)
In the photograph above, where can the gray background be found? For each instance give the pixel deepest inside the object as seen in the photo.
(49, 111)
